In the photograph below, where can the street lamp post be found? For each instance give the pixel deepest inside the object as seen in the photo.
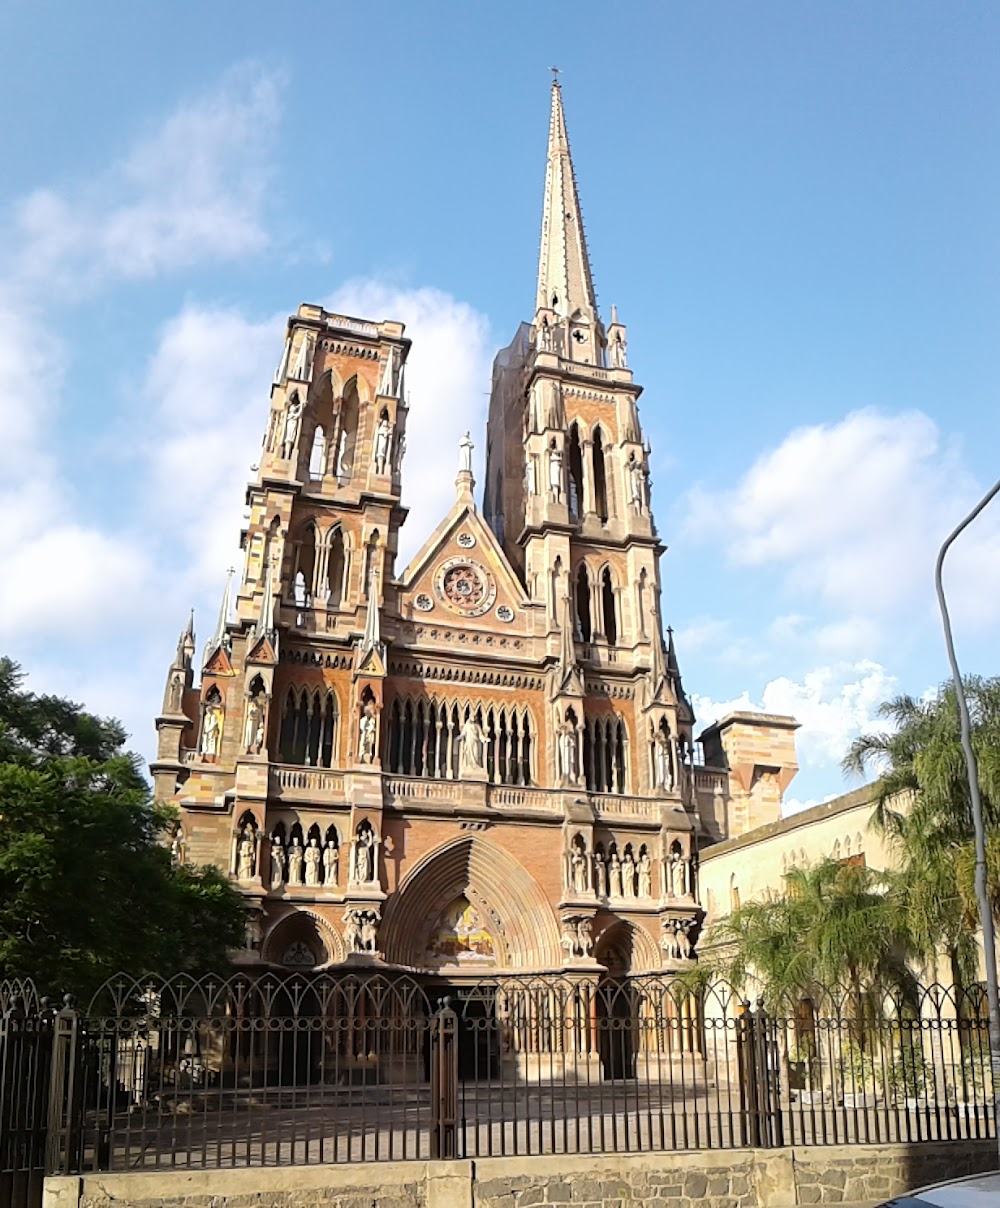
(985, 908)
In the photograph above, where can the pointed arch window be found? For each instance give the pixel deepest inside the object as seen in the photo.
(308, 734)
(336, 565)
(575, 474)
(317, 457)
(605, 746)
(583, 604)
(608, 607)
(600, 477)
(425, 739)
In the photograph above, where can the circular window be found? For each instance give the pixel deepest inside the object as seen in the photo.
(424, 602)
(505, 613)
(466, 540)
(466, 587)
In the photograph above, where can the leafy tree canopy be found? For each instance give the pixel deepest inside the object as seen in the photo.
(87, 887)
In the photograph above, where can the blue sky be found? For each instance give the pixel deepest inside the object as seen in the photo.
(796, 208)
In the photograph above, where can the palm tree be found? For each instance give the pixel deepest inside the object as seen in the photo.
(922, 806)
(836, 927)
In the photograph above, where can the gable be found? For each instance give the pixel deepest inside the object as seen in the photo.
(462, 575)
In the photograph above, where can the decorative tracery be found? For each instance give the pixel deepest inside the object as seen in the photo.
(426, 736)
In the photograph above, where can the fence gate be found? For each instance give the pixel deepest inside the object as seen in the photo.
(26, 1027)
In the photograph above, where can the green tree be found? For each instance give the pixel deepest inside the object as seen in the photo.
(836, 930)
(922, 806)
(87, 887)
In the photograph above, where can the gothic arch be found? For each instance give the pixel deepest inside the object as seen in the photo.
(519, 916)
(624, 942)
(307, 927)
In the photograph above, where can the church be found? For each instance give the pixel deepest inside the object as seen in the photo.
(484, 761)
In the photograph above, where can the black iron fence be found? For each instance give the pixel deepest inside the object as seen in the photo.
(272, 1070)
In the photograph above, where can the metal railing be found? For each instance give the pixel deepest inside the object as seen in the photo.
(292, 1068)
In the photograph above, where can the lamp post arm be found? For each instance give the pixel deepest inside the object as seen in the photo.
(975, 801)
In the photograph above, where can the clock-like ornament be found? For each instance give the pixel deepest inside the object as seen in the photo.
(466, 587)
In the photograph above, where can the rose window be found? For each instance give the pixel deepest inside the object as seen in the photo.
(463, 586)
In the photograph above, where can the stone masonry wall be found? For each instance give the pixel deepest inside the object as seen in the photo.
(774, 1178)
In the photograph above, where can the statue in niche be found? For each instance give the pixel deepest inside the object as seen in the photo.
(398, 451)
(628, 874)
(529, 474)
(682, 939)
(615, 875)
(252, 931)
(662, 761)
(175, 692)
(383, 435)
(645, 875)
(617, 351)
(555, 473)
(312, 858)
(545, 335)
(331, 863)
(568, 752)
(584, 937)
(678, 874)
(245, 856)
(364, 855)
(278, 862)
(578, 865)
(295, 862)
(637, 483)
(471, 747)
(253, 729)
(367, 727)
(600, 875)
(290, 430)
(302, 369)
(211, 730)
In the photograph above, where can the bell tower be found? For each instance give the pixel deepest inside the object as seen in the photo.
(567, 475)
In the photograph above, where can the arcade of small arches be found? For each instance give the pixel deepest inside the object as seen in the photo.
(310, 721)
(428, 736)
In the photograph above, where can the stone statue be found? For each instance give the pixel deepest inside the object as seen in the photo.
(678, 875)
(615, 875)
(312, 859)
(295, 863)
(471, 747)
(529, 474)
(364, 855)
(398, 451)
(600, 875)
(211, 731)
(668, 942)
(176, 691)
(662, 761)
(682, 939)
(645, 876)
(369, 932)
(302, 370)
(331, 863)
(636, 480)
(628, 874)
(253, 728)
(177, 845)
(465, 447)
(352, 931)
(568, 938)
(578, 863)
(555, 473)
(252, 931)
(290, 431)
(545, 335)
(367, 726)
(568, 750)
(617, 351)
(383, 434)
(277, 863)
(245, 866)
(584, 938)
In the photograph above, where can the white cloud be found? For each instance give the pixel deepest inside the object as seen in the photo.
(447, 380)
(854, 513)
(189, 191)
(833, 704)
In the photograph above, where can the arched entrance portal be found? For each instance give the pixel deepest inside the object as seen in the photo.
(467, 912)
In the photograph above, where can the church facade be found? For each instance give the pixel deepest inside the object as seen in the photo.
(484, 761)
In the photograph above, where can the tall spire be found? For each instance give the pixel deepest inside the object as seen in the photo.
(217, 638)
(564, 281)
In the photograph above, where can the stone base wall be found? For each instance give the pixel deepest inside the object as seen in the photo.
(735, 1178)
